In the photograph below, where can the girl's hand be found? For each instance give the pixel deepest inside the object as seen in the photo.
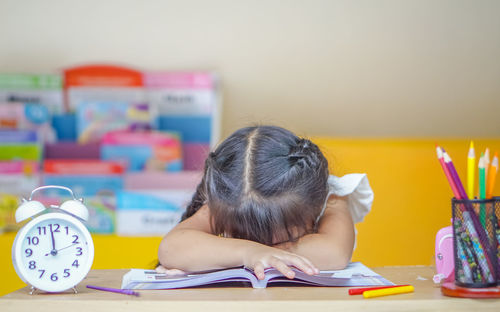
(169, 272)
(261, 257)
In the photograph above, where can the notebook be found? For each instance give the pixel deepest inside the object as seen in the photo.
(355, 274)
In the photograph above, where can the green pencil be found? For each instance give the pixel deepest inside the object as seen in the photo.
(482, 188)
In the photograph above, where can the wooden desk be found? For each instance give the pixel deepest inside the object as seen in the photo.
(427, 297)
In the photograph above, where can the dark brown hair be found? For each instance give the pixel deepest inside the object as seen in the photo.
(263, 184)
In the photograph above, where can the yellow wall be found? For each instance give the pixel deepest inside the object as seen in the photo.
(412, 202)
(412, 196)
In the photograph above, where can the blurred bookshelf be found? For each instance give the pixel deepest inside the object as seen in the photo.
(131, 143)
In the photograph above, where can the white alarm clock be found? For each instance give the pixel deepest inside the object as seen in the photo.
(54, 251)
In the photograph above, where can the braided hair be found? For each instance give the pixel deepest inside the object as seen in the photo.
(264, 184)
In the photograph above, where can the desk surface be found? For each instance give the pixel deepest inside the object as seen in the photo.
(427, 296)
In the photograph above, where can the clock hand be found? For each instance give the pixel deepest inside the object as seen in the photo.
(53, 251)
(56, 251)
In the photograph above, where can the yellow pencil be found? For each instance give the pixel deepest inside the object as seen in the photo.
(388, 291)
(486, 163)
(471, 163)
(490, 186)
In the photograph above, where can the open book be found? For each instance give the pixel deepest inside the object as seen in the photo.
(355, 274)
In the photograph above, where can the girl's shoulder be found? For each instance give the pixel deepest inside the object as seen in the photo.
(356, 188)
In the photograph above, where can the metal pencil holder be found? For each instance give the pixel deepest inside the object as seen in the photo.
(476, 242)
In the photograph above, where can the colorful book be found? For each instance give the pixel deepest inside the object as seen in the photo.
(102, 83)
(85, 185)
(27, 168)
(96, 118)
(150, 212)
(83, 167)
(144, 150)
(187, 103)
(102, 213)
(11, 136)
(45, 89)
(72, 150)
(17, 115)
(19, 145)
(355, 274)
(156, 180)
(27, 116)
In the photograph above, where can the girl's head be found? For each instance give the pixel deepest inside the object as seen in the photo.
(264, 184)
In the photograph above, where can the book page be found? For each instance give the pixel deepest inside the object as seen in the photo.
(353, 269)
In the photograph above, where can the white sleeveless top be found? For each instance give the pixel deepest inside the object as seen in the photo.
(358, 191)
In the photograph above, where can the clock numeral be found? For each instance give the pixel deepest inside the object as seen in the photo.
(32, 265)
(75, 241)
(28, 252)
(56, 227)
(53, 277)
(66, 273)
(75, 263)
(32, 240)
(67, 230)
(43, 271)
(79, 251)
(42, 230)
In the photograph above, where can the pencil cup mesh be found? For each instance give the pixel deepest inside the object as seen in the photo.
(476, 242)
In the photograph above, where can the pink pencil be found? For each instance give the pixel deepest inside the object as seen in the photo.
(454, 175)
(447, 172)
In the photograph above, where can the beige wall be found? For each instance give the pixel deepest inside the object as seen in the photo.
(342, 68)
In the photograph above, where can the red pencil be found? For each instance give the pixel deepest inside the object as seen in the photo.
(359, 291)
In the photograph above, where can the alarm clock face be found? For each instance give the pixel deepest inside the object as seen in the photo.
(53, 252)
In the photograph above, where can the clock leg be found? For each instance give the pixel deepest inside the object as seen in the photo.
(74, 289)
(32, 291)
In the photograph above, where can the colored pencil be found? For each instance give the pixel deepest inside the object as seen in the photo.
(480, 248)
(119, 291)
(492, 174)
(359, 291)
(447, 172)
(465, 263)
(471, 164)
(463, 239)
(454, 176)
(388, 291)
(486, 163)
(482, 189)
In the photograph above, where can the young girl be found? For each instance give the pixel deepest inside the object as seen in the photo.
(266, 200)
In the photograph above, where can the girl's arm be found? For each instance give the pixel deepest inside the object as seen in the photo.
(331, 248)
(190, 246)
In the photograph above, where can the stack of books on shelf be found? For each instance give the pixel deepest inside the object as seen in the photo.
(131, 144)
